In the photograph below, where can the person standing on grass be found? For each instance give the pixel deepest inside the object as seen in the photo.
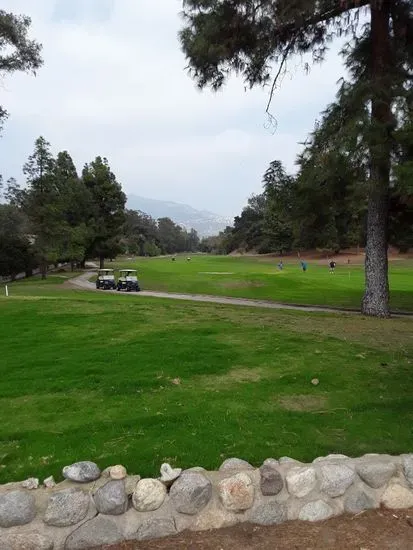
(280, 265)
(332, 266)
(303, 265)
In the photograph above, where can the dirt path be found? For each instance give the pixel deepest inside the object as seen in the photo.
(372, 530)
(82, 281)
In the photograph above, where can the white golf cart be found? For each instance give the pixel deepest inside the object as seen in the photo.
(128, 280)
(106, 279)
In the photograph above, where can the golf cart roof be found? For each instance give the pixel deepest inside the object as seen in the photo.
(108, 270)
(128, 270)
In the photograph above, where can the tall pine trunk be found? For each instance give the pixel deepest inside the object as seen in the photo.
(43, 268)
(102, 262)
(376, 295)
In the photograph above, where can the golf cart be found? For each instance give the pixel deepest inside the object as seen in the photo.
(106, 279)
(128, 280)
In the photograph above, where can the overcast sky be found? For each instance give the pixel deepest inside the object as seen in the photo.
(113, 84)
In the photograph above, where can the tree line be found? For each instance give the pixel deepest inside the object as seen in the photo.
(61, 216)
(324, 205)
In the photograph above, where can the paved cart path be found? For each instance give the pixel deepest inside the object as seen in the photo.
(82, 281)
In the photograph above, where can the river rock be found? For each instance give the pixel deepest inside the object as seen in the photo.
(316, 511)
(271, 481)
(198, 469)
(67, 507)
(95, 532)
(191, 492)
(269, 513)
(49, 482)
(407, 461)
(214, 517)
(25, 541)
(377, 473)
(111, 499)
(301, 481)
(130, 484)
(148, 495)
(30, 483)
(236, 492)
(271, 462)
(156, 528)
(16, 508)
(169, 474)
(82, 472)
(288, 460)
(117, 472)
(396, 497)
(336, 479)
(358, 500)
(330, 458)
(369, 455)
(231, 464)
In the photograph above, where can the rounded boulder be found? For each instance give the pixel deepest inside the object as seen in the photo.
(191, 492)
(237, 492)
(148, 495)
(82, 472)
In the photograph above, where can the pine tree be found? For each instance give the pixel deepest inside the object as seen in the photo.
(108, 209)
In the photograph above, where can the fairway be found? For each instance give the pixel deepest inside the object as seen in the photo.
(91, 375)
(260, 278)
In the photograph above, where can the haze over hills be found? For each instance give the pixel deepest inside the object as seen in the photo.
(206, 223)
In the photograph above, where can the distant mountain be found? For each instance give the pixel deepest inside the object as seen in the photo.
(206, 223)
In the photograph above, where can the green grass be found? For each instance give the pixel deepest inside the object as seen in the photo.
(88, 375)
(259, 278)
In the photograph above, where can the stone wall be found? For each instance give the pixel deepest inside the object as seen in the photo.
(91, 507)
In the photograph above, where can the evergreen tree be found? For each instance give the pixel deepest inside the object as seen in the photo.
(108, 209)
(75, 204)
(279, 190)
(40, 202)
(17, 51)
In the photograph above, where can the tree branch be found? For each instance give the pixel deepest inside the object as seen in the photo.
(274, 83)
(342, 7)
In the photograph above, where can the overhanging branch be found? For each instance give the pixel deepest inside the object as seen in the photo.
(322, 17)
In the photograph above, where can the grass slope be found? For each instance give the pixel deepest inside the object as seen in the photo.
(90, 376)
(252, 277)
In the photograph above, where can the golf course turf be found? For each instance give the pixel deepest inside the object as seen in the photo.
(260, 278)
(140, 381)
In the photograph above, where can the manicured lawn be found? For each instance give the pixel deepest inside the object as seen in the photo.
(252, 277)
(88, 375)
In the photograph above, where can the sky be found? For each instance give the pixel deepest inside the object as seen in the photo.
(114, 84)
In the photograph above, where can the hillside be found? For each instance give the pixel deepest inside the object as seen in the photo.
(206, 223)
